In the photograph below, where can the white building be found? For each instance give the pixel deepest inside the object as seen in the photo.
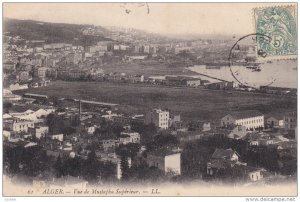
(129, 137)
(43, 112)
(119, 168)
(90, 129)
(18, 125)
(159, 117)
(9, 96)
(116, 160)
(237, 132)
(39, 131)
(255, 174)
(59, 137)
(274, 121)
(251, 120)
(17, 86)
(6, 135)
(166, 160)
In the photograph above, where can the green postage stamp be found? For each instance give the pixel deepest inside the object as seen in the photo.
(279, 27)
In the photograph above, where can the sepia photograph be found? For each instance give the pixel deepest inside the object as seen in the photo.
(149, 99)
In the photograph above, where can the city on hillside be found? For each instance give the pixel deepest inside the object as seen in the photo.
(88, 105)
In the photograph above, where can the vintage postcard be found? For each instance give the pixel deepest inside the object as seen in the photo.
(150, 99)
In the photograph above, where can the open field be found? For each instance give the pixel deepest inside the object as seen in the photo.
(190, 103)
(147, 68)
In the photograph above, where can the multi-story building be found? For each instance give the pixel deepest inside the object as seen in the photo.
(146, 49)
(39, 132)
(18, 125)
(93, 49)
(77, 74)
(38, 49)
(73, 58)
(129, 137)
(109, 143)
(123, 47)
(9, 66)
(137, 49)
(153, 50)
(159, 117)
(23, 76)
(40, 72)
(193, 82)
(166, 160)
(59, 137)
(222, 85)
(274, 122)
(290, 121)
(249, 119)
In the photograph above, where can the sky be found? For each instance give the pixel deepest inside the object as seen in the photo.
(162, 18)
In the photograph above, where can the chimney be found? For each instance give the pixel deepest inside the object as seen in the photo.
(79, 109)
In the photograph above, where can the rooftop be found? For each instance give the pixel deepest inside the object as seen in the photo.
(223, 153)
(164, 152)
(160, 110)
(99, 103)
(245, 114)
(247, 169)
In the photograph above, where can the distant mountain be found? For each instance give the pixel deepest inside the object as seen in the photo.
(50, 32)
(87, 35)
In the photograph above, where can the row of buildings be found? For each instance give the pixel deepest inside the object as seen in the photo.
(254, 120)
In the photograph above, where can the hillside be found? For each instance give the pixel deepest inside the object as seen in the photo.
(50, 32)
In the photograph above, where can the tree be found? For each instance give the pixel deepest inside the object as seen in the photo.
(57, 125)
(76, 121)
(124, 167)
(91, 167)
(7, 106)
(162, 140)
(147, 131)
(58, 167)
(108, 130)
(54, 100)
(73, 166)
(128, 150)
(68, 130)
(13, 157)
(145, 173)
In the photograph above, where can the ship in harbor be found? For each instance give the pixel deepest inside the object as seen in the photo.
(255, 67)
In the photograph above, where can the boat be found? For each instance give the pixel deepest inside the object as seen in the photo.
(254, 67)
(256, 70)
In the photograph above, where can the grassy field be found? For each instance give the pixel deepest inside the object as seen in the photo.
(190, 103)
(148, 68)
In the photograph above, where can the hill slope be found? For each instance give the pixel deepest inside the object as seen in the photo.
(50, 32)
